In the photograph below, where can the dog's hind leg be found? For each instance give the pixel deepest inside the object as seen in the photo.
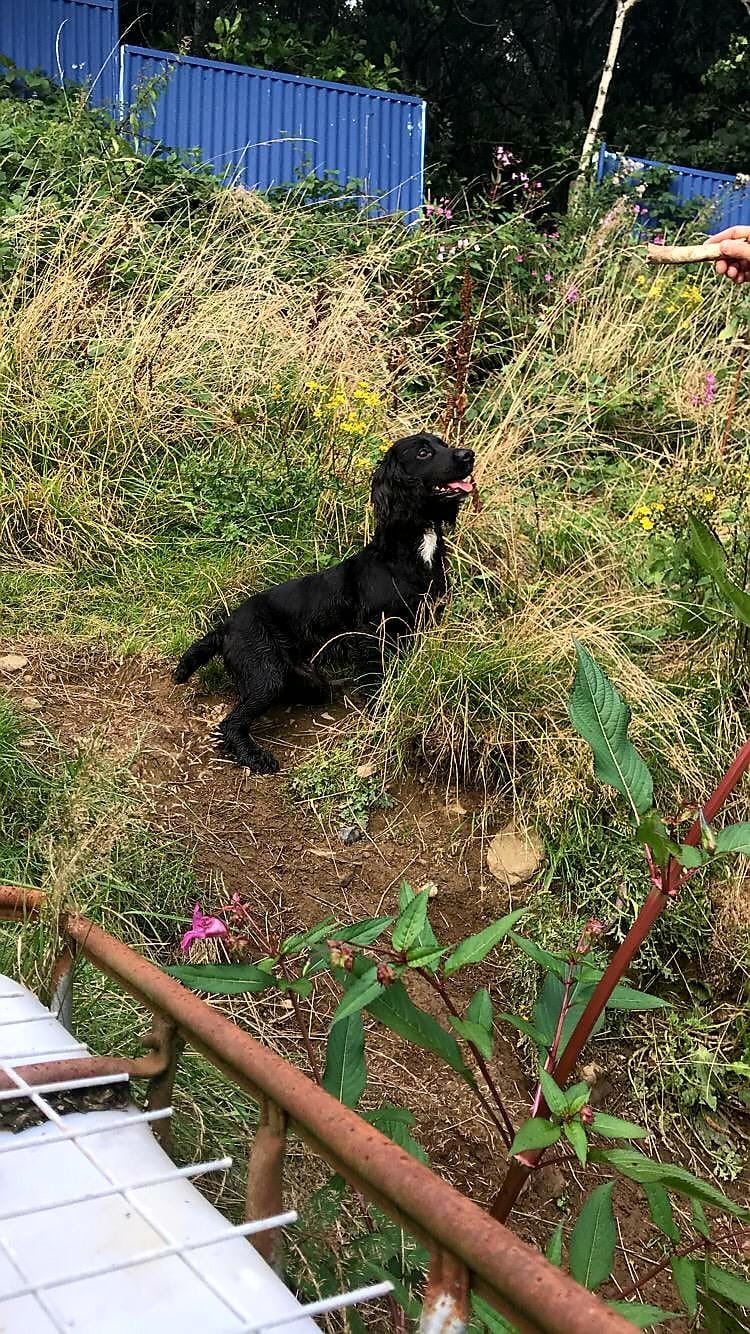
(261, 673)
(306, 686)
(237, 744)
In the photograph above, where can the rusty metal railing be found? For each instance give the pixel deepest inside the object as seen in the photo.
(469, 1250)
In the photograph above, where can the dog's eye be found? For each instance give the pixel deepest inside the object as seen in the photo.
(425, 452)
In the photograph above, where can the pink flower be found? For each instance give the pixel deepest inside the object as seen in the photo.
(658, 240)
(203, 928)
(534, 273)
(572, 294)
(548, 277)
(710, 391)
(519, 259)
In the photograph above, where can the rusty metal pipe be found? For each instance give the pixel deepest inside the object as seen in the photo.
(513, 1277)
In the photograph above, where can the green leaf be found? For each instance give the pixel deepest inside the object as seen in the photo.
(651, 831)
(395, 1122)
(479, 1009)
(660, 1210)
(473, 1033)
(531, 1032)
(489, 1317)
(628, 998)
(614, 1128)
(477, 947)
(427, 935)
(637, 1167)
(359, 993)
(591, 1252)
(547, 1007)
(223, 979)
(427, 956)
(554, 1247)
(553, 1094)
(537, 1133)
(732, 1287)
(699, 1219)
(641, 1314)
(345, 1074)
(306, 938)
(411, 922)
(396, 1010)
(362, 933)
(683, 1273)
(690, 857)
(549, 962)
(709, 555)
(576, 1137)
(600, 715)
(301, 986)
(734, 838)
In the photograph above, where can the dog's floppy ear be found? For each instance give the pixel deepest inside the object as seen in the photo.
(386, 491)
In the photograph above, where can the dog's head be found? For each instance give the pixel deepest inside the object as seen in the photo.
(422, 480)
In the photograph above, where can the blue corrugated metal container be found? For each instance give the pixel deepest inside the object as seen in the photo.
(259, 128)
(78, 37)
(731, 202)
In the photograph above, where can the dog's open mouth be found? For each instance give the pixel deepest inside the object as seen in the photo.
(464, 488)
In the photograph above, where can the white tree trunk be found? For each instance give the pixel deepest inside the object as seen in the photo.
(622, 8)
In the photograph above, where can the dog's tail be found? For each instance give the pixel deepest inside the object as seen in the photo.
(199, 653)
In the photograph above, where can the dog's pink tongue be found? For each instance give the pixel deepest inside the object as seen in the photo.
(466, 486)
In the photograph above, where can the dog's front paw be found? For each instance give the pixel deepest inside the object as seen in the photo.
(261, 762)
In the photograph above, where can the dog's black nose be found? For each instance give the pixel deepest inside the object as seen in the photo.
(464, 456)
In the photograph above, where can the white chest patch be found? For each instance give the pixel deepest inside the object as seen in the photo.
(428, 546)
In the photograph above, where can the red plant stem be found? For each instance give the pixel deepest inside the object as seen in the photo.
(656, 1270)
(655, 903)
(438, 985)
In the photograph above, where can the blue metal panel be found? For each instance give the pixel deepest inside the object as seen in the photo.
(731, 202)
(259, 128)
(78, 38)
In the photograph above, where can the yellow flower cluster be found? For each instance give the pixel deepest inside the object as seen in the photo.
(683, 298)
(647, 515)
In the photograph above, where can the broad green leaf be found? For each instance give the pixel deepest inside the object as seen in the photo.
(734, 838)
(537, 1133)
(637, 1167)
(553, 1094)
(345, 1074)
(362, 933)
(628, 998)
(651, 831)
(706, 550)
(553, 1252)
(660, 1209)
(551, 963)
(683, 1273)
(426, 956)
(614, 1128)
(223, 979)
(690, 857)
(547, 1008)
(473, 1033)
(301, 986)
(591, 1253)
(411, 922)
(732, 1287)
(359, 994)
(600, 715)
(700, 1222)
(395, 1122)
(531, 1032)
(397, 1011)
(576, 1137)
(641, 1314)
(306, 938)
(489, 1317)
(406, 895)
(479, 1009)
(427, 935)
(708, 553)
(477, 947)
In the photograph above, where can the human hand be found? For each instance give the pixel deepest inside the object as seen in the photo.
(735, 249)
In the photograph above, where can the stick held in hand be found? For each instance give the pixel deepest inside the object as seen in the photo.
(684, 254)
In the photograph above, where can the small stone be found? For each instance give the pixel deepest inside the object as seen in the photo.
(432, 889)
(366, 770)
(13, 662)
(351, 833)
(31, 704)
(328, 717)
(514, 855)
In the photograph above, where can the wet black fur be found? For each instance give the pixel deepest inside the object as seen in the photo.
(371, 601)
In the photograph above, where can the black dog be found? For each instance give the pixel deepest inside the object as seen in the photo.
(375, 598)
